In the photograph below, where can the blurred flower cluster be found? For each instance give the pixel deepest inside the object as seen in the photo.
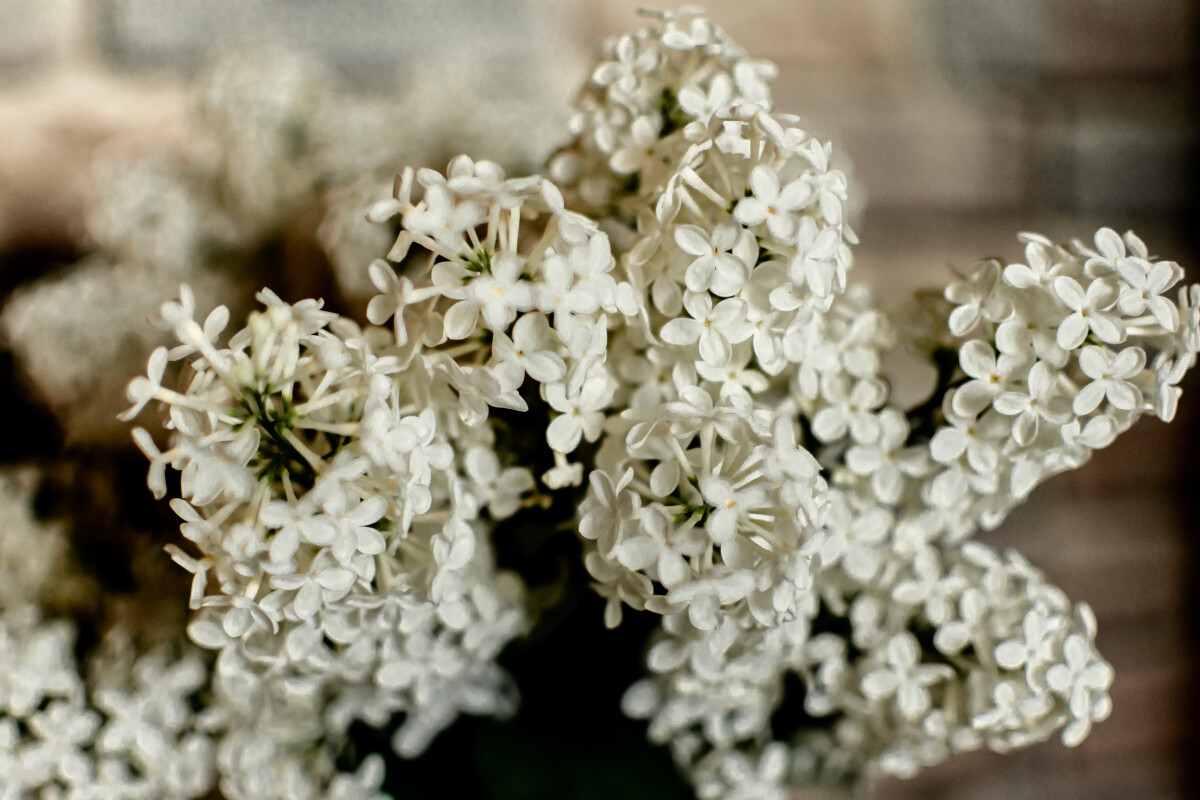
(657, 345)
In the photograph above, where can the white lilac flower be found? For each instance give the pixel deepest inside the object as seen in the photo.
(990, 375)
(1144, 283)
(580, 405)
(853, 537)
(499, 489)
(1043, 400)
(531, 351)
(886, 460)
(1110, 376)
(1031, 331)
(980, 440)
(736, 378)
(773, 204)
(608, 507)
(974, 298)
(1084, 679)
(816, 262)
(723, 261)
(397, 294)
(849, 409)
(1042, 267)
(1090, 312)
(1033, 649)
(737, 775)
(442, 218)
(652, 547)
(715, 328)
(902, 676)
(1109, 252)
(703, 104)
(38, 664)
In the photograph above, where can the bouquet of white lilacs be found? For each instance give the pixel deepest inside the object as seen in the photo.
(659, 342)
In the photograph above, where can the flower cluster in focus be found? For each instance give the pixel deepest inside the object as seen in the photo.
(660, 343)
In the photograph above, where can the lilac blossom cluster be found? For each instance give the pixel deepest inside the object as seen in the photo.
(123, 726)
(675, 310)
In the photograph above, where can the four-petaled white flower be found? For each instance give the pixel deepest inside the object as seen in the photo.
(531, 351)
(716, 328)
(499, 488)
(904, 677)
(885, 459)
(705, 596)
(1144, 285)
(581, 405)
(1033, 649)
(730, 505)
(632, 61)
(355, 521)
(325, 581)
(657, 543)
(296, 523)
(440, 216)
(1084, 680)
(853, 538)
(850, 409)
(498, 295)
(723, 259)
(1110, 376)
(703, 105)
(773, 204)
(989, 377)
(1039, 272)
(815, 263)
(1090, 312)
(1042, 401)
(640, 147)
(396, 294)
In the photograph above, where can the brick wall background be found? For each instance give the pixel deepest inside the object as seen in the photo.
(967, 120)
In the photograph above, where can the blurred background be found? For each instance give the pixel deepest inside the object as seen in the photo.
(965, 121)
